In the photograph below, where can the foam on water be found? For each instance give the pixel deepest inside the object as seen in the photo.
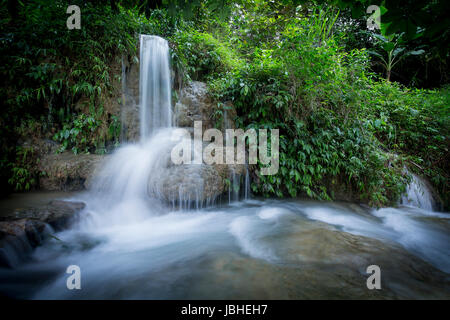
(413, 228)
(412, 231)
(248, 233)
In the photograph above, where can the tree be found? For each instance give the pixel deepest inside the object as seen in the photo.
(394, 49)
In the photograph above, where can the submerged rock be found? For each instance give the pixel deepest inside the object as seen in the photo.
(319, 263)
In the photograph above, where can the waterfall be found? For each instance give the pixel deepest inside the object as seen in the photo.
(418, 195)
(239, 187)
(154, 85)
(137, 176)
(120, 191)
(247, 190)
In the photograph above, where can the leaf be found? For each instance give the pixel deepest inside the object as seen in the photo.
(415, 52)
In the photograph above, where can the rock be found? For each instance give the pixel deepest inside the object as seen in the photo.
(17, 238)
(25, 229)
(130, 101)
(58, 213)
(194, 182)
(67, 171)
(30, 228)
(191, 183)
(195, 105)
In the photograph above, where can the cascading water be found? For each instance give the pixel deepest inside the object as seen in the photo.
(239, 188)
(247, 190)
(418, 195)
(154, 85)
(235, 192)
(120, 191)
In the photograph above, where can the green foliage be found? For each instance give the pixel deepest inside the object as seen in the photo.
(395, 51)
(114, 129)
(339, 126)
(48, 69)
(24, 176)
(78, 135)
(59, 79)
(201, 55)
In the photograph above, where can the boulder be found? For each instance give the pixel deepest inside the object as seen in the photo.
(25, 229)
(58, 213)
(199, 183)
(191, 183)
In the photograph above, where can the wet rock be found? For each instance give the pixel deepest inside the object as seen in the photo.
(30, 228)
(194, 105)
(25, 228)
(129, 109)
(191, 183)
(17, 238)
(58, 213)
(67, 171)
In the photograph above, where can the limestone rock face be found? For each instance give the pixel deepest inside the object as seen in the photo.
(195, 182)
(190, 183)
(67, 171)
(195, 105)
(129, 113)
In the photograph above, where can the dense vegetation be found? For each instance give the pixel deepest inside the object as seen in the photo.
(347, 124)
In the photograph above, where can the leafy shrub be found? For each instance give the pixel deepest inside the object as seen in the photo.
(202, 55)
(24, 175)
(47, 70)
(78, 135)
(339, 126)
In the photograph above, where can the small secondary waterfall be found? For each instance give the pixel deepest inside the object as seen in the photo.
(154, 85)
(418, 195)
(239, 187)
